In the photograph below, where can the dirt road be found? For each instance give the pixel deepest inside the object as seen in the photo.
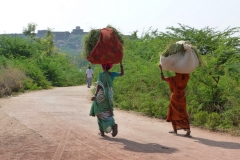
(55, 125)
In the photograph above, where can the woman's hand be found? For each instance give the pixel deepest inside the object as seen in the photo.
(121, 67)
(93, 98)
(160, 66)
(161, 74)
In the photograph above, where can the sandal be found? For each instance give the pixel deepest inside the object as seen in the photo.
(114, 130)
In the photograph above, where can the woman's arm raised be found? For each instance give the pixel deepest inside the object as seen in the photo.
(161, 73)
(122, 70)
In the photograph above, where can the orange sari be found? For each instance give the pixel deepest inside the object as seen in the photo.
(177, 113)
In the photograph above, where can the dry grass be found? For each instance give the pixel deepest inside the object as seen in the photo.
(11, 80)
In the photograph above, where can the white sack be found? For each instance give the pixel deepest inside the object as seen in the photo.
(185, 62)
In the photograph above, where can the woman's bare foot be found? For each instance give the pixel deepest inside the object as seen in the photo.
(174, 131)
(188, 133)
(101, 133)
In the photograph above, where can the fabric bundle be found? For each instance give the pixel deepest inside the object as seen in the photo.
(180, 58)
(103, 46)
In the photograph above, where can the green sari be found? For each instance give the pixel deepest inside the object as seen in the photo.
(102, 107)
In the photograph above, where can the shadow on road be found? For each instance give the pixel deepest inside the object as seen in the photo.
(139, 147)
(222, 144)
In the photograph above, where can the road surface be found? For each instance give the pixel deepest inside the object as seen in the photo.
(55, 125)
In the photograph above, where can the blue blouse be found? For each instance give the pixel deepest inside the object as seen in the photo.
(114, 74)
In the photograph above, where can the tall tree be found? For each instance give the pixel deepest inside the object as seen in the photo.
(30, 30)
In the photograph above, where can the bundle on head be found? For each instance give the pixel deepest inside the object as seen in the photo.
(179, 57)
(103, 46)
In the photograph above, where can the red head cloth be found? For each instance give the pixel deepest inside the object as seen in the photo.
(107, 66)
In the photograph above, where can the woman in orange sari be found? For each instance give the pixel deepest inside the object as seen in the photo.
(177, 112)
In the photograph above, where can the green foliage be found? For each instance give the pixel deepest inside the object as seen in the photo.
(213, 120)
(30, 30)
(59, 71)
(48, 43)
(118, 34)
(18, 47)
(173, 48)
(200, 118)
(32, 70)
(39, 60)
(90, 40)
(4, 62)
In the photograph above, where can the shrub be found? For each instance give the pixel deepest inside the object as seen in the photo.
(213, 120)
(200, 118)
(11, 80)
(230, 118)
(33, 71)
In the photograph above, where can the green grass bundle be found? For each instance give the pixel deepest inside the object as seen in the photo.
(90, 40)
(172, 48)
(118, 34)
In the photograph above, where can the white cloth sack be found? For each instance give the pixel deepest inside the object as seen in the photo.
(185, 62)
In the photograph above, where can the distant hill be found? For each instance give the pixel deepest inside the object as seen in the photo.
(61, 38)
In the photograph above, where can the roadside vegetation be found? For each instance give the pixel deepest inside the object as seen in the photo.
(213, 91)
(33, 63)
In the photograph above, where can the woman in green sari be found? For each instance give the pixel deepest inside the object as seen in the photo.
(102, 105)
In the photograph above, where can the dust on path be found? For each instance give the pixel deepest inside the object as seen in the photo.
(55, 125)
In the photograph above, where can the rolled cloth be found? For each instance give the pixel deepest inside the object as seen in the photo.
(108, 49)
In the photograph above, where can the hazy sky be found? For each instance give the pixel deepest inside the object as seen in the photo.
(125, 15)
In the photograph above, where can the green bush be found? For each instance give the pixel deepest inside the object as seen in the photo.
(230, 118)
(29, 84)
(58, 70)
(39, 61)
(32, 71)
(200, 118)
(213, 121)
(19, 47)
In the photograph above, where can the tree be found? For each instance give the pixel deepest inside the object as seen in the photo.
(49, 43)
(30, 30)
